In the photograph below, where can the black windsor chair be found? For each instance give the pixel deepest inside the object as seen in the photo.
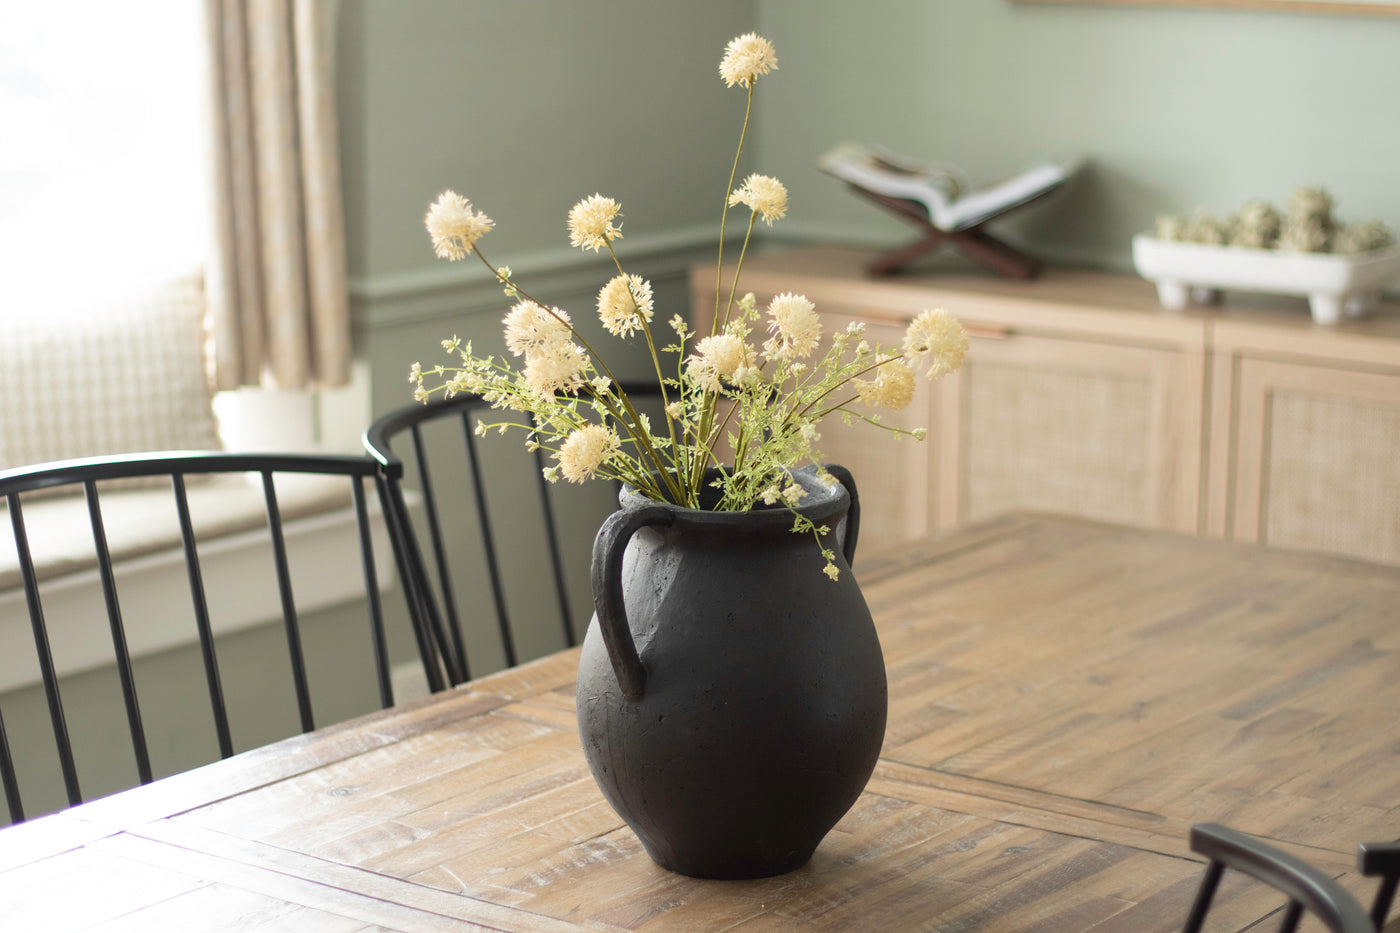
(1306, 888)
(170, 481)
(472, 494)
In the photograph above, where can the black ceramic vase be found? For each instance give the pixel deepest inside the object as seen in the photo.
(731, 696)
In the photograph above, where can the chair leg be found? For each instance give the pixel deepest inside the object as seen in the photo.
(1381, 907)
(1204, 895)
(1291, 916)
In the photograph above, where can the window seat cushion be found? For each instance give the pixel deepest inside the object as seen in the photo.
(99, 374)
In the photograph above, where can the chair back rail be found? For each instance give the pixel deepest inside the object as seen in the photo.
(1305, 887)
(172, 470)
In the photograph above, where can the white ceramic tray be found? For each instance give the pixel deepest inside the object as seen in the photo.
(1335, 285)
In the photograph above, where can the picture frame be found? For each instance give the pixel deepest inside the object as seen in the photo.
(1348, 7)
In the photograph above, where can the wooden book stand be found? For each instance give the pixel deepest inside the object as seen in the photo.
(974, 242)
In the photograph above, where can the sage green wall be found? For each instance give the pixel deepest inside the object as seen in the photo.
(525, 107)
(1174, 108)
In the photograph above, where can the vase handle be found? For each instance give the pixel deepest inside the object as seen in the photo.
(606, 573)
(844, 477)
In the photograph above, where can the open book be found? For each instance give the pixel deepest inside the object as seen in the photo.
(938, 190)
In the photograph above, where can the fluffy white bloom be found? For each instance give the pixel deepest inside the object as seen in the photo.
(624, 303)
(892, 387)
(717, 357)
(455, 226)
(765, 196)
(555, 367)
(585, 451)
(591, 222)
(529, 327)
(936, 339)
(745, 58)
(795, 327)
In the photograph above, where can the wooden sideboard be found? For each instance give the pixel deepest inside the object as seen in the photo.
(1082, 395)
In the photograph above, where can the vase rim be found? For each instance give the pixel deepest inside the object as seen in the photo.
(821, 503)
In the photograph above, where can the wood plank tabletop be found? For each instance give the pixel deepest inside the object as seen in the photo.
(1066, 699)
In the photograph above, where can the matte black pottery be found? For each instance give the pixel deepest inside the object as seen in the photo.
(731, 697)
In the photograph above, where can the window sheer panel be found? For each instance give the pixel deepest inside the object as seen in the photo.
(277, 295)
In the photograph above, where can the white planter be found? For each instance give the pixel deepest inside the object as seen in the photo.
(1335, 285)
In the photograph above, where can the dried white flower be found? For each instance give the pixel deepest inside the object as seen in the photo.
(591, 222)
(555, 367)
(585, 451)
(715, 358)
(624, 303)
(936, 339)
(795, 327)
(455, 226)
(763, 195)
(746, 58)
(530, 327)
(892, 387)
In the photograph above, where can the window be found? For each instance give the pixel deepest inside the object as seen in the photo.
(101, 171)
(103, 182)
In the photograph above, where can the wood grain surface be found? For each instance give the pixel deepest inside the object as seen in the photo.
(1066, 699)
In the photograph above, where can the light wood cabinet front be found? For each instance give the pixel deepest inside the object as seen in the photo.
(1076, 426)
(1316, 459)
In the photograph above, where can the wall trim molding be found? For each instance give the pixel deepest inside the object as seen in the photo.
(452, 290)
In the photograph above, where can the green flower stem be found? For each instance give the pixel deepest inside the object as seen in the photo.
(678, 454)
(860, 372)
(743, 251)
(724, 214)
(707, 403)
(642, 439)
(866, 419)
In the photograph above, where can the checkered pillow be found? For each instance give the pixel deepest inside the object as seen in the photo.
(119, 376)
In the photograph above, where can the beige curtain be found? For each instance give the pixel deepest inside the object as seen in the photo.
(276, 279)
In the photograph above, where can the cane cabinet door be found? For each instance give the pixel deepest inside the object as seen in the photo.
(1065, 423)
(1306, 450)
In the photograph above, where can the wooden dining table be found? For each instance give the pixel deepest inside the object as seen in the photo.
(1066, 699)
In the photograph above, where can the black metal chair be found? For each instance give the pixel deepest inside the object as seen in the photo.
(469, 492)
(1306, 888)
(170, 482)
(1380, 860)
